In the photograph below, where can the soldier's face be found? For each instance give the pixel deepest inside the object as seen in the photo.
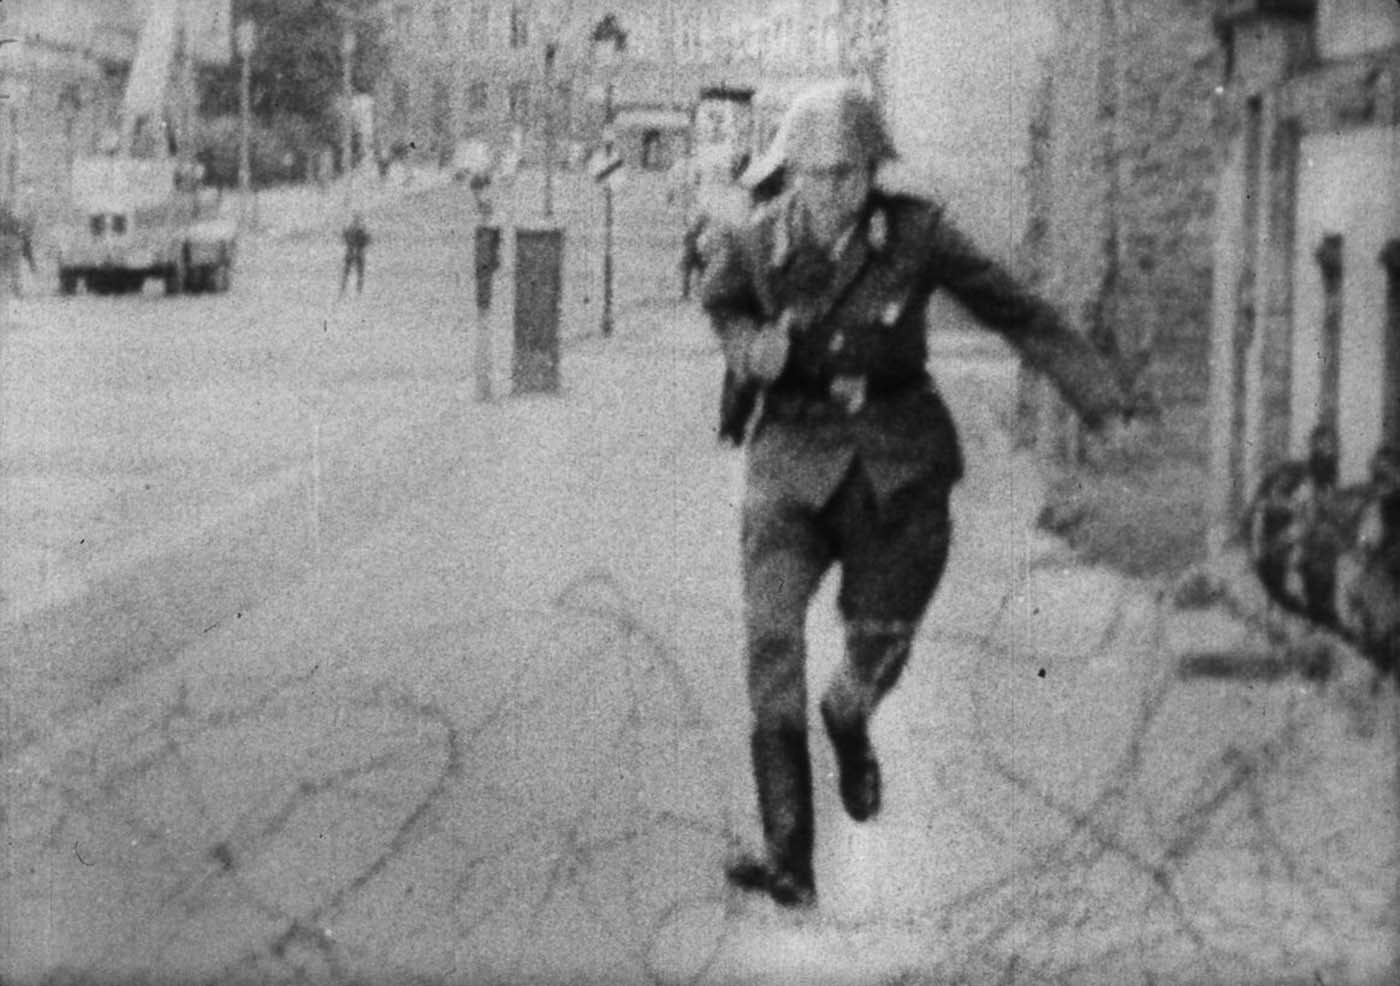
(833, 194)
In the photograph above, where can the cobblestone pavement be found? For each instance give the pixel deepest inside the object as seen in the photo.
(501, 739)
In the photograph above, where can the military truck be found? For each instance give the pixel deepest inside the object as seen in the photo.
(134, 219)
(136, 207)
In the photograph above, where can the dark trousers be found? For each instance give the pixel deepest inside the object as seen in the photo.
(892, 555)
(355, 262)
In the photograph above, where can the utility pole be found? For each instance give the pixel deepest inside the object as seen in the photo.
(609, 44)
(347, 52)
(549, 52)
(246, 39)
(607, 322)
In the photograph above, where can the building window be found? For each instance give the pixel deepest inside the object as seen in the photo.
(519, 101)
(1329, 256)
(477, 97)
(481, 21)
(1390, 406)
(403, 21)
(563, 106)
(442, 119)
(519, 26)
(829, 44)
(641, 37)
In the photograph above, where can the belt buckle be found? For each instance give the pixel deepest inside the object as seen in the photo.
(849, 392)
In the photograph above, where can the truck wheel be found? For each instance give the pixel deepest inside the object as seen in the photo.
(221, 278)
(174, 279)
(67, 282)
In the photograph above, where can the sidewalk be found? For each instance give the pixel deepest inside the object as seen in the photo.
(503, 740)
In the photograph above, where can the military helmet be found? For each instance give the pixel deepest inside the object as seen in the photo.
(834, 124)
(828, 124)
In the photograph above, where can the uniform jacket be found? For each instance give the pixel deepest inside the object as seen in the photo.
(862, 317)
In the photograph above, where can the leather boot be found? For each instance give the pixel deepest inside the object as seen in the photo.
(783, 775)
(855, 762)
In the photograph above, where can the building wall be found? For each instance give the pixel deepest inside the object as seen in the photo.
(487, 57)
(1122, 175)
(1347, 189)
(1352, 27)
(961, 80)
(1305, 327)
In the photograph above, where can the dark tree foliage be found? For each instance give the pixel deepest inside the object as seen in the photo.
(296, 65)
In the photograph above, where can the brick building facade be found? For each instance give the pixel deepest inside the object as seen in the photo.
(1121, 184)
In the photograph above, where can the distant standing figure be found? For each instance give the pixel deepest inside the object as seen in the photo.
(16, 249)
(356, 237)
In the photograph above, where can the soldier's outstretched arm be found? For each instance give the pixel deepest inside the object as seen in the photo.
(1089, 382)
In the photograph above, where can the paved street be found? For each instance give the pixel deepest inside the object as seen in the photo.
(175, 457)
(465, 705)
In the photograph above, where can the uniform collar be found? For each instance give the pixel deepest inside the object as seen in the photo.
(872, 225)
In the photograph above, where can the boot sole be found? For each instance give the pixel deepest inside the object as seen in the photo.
(756, 877)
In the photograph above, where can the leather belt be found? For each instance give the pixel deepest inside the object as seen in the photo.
(843, 394)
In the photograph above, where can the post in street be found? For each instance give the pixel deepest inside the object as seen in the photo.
(487, 260)
(347, 53)
(246, 40)
(607, 323)
(609, 42)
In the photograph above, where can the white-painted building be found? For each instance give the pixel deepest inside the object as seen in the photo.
(1306, 326)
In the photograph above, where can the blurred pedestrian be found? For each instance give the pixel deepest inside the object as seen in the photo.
(822, 298)
(356, 237)
(16, 249)
(720, 202)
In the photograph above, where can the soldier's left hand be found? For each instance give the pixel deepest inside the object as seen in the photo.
(768, 353)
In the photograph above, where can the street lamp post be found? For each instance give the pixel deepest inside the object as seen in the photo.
(609, 44)
(549, 52)
(246, 38)
(607, 322)
(347, 52)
